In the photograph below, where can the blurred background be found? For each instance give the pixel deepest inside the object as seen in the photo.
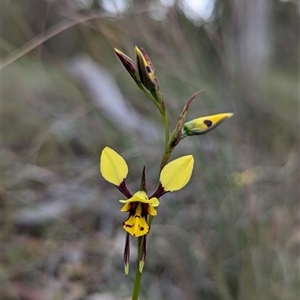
(233, 232)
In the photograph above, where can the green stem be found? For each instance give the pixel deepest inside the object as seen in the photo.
(138, 275)
(168, 150)
(165, 158)
(148, 94)
(166, 125)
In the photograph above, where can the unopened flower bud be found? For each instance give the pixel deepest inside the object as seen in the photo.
(129, 66)
(147, 73)
(204, 124)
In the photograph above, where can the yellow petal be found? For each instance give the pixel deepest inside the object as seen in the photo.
(154, 202)
(151, 210)
(136, 225)
(204, 124)
(126, 207)
(139, 196)
(176, 174)
(113, 166)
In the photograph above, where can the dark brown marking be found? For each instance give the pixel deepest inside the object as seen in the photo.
(208, 123)
(130, 226)
(148, 69)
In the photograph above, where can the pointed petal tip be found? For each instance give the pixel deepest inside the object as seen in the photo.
(138, 52)
(118, 52)
(141, 266)
(126, 269)
(228, 115)
(189, 157)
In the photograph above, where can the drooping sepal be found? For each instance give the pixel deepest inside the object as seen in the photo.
(177, 133)
(127, 255)
(143, 253)
(204, 124)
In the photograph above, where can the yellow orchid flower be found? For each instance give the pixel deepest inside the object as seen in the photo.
(173, 177)
(139, 205)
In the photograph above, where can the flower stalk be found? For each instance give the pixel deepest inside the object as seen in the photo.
(173, 175)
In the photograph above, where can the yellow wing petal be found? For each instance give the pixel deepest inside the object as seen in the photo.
(113, 167)
(176, 174)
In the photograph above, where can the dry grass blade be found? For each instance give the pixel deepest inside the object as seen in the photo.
(46, 35)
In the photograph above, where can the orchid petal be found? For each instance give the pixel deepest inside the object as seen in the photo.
(176, 174)
(113, 166)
